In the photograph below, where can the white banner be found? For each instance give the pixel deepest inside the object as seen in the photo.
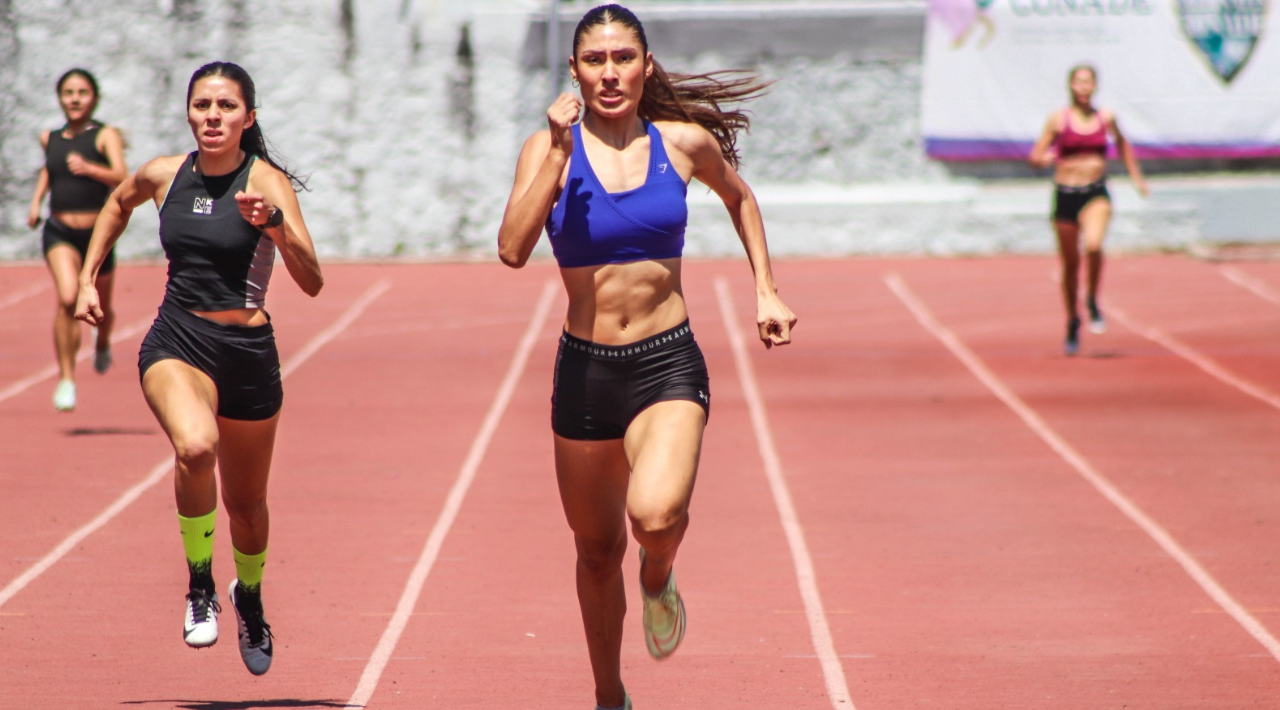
(1186, 78)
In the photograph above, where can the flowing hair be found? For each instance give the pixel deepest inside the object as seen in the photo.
(252, 140)
(690, 98)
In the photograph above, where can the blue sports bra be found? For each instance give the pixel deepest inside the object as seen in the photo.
(589, 226)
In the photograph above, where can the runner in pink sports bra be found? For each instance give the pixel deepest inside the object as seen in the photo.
(1081, 202)
(1072, 142)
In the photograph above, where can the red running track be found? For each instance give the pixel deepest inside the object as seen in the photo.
(983, 517)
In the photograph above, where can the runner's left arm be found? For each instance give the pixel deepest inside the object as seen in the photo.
(1125, 149)
(269, 189)
(110, 144)
(774, 320)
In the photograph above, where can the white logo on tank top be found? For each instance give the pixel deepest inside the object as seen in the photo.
(662, 167)
(203, 205)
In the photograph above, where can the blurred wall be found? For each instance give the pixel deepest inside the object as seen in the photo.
(407, 116)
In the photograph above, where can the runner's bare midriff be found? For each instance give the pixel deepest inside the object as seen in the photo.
(76, 220)
(616, 304)
(1079, 170)
(245, 317)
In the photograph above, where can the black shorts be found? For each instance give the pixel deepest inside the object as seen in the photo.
(56, 233)
(1068, 200)
(599, 389)
(242, 362)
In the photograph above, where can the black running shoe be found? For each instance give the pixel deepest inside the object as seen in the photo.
(1072, 344)
(255, 632)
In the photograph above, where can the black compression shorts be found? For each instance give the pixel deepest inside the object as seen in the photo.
(1068, 200)
(56, 233)
(599, 389)
(242, 362)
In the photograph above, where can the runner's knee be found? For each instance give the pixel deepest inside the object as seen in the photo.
(196, 450)
(600, 556)
(657, 520)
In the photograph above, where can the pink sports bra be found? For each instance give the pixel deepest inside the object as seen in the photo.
(1072, 142)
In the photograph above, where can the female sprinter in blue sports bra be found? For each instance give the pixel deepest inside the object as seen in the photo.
(209, 366)
(630, 394)
(84, 161)
(1074, 141)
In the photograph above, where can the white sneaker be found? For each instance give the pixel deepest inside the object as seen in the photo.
(102, 361)
(64, 396)
(200, 628)
(626, 704)
(664, 617)
(255, 632)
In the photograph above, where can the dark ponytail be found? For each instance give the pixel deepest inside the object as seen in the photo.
(691, 98)
(252, 140)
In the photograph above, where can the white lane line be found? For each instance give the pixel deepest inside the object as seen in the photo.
(806, 578)
(50, 371)
(452, 505)
(23, 294)
(1240, 278)
(321, 339)
(1193, 356)
(1083, 467)
(162, 469)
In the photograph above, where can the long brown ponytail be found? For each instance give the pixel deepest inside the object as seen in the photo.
(691, 98)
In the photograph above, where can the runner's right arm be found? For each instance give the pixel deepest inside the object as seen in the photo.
(42, 186)
(149, 183)
(537, 184)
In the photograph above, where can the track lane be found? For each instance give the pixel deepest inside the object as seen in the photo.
(1129, 409)
(960, 563)
(501, 603)
(70, 587)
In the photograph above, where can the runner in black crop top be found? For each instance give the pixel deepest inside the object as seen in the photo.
(69, 191)
(209, 365)
(84, 161)
(217, 260)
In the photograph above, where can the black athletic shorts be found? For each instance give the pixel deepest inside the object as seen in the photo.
(56, 233)
(1068, 200)
(242, 362)
(599, 389)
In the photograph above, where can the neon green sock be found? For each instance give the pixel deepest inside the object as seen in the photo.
(197, 542)
(249, 569)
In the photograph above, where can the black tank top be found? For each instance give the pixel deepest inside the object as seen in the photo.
(69, 192)
(217, 260)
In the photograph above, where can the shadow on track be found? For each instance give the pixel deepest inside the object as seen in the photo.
(110, 431)
(243, 704)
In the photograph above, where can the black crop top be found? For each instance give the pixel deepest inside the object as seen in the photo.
(69, 192)
(217, 260)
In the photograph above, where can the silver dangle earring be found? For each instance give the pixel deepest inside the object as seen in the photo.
(575, 83)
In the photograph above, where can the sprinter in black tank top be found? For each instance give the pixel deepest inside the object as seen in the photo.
(84, 161)
(209, 366)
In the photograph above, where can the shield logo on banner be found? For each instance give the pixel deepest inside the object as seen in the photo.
(1225, 31)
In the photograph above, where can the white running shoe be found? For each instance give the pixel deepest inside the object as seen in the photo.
(255, 632)
(1097, 324)
(664, 617)
(64, 396)
(200, 628)
(626, 704)
(102, 361)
